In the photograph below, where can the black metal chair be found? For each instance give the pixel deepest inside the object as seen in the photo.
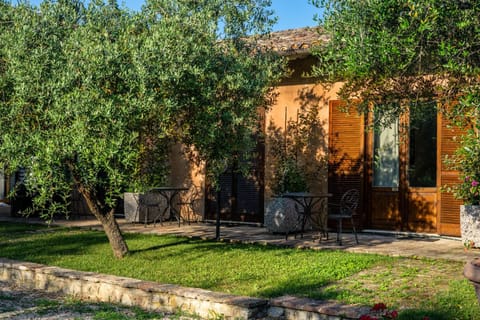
(346, 209)
(152, 201)
(191, 203)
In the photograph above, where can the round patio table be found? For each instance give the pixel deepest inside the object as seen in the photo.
(305, 204)
(169, 194)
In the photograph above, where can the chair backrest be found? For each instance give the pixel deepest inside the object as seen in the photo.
(194, 194)
(191, 197)
(349, 202)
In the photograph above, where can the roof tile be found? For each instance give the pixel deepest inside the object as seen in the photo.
(293, 41)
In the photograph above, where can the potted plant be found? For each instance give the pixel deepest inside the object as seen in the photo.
(280, 213)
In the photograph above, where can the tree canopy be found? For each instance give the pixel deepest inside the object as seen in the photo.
(395, 55)
(402, 50)
(87, 91)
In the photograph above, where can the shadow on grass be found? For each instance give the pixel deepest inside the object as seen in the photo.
(47, 247)
(9, 231)
(11, 227)
(159, 247)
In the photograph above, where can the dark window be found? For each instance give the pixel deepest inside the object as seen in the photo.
(422, 163)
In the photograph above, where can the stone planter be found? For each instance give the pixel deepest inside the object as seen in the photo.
(131, 207)
(471, 271)
(470, 224)
(5, 209)
(135, 206)
(281, 216)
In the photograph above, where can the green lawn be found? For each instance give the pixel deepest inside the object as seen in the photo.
(417, 286)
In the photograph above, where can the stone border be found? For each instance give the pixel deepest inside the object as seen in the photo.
(305, 308)
(166, 297)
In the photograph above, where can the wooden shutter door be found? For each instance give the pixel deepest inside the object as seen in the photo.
(346, 152)
(449, 207)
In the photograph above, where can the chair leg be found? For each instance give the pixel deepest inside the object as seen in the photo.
(294, 230)
(304, 222)
(159, 217)
(189, 216)
(339, 232)
(145, 221)
(354, 231)
(324, 220)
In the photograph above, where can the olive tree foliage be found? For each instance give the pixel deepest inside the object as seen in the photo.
(391, 53)
(89, 92)
(212, 101)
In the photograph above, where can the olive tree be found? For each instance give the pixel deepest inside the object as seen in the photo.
(85, 89)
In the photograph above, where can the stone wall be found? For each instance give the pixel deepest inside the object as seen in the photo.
(166, 297)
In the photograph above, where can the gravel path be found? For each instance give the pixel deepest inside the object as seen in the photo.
(20, 304)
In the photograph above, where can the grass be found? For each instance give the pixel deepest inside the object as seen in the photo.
(81, 309)
(418, 287)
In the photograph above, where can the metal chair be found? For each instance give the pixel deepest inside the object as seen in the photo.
(346, 209)
(152, 200)
(191, 203)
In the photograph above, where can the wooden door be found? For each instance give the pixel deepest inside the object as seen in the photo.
(402, 166)
(421, 154)
(384, 177)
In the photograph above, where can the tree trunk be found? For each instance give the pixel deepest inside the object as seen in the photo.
(109, 224)
(114, 234)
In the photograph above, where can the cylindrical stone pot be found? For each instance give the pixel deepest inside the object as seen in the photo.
(471, 271)
(281, 216)
(470, 224)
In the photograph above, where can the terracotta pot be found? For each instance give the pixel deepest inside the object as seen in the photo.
(471, 271)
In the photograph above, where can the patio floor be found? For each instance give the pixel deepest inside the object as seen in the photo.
(395, 244)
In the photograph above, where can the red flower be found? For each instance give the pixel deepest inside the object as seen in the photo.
(366, 317)
(393, 314)
(379, 307)
(426, 318)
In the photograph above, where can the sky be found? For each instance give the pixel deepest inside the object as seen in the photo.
(291, 13)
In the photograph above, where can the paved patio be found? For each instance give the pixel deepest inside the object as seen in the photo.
(395, 244)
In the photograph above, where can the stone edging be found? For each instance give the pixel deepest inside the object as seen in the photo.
(166, 297)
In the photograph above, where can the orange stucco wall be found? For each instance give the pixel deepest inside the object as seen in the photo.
(299, 98)
(186, 174)
(296, 96)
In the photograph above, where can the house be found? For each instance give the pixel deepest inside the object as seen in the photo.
(400, 174)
